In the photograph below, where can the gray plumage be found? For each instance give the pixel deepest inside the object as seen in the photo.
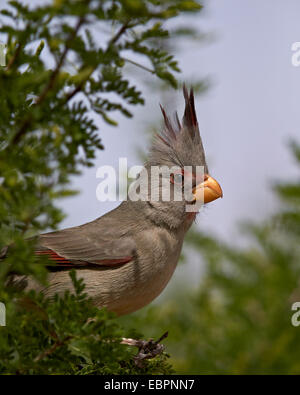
(127, 256)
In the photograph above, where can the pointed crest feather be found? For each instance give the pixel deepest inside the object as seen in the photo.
(179, 143)
(169, 130)
(190, 118)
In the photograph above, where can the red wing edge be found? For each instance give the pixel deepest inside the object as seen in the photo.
(66, 263)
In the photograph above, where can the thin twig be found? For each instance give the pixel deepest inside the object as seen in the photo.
(79, 86)
(119, 33)
(14, 57)
(139, 65)
(52, 349)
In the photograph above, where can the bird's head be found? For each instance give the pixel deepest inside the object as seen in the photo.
(177, 169)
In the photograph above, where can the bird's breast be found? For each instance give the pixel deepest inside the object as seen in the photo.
(137, 283)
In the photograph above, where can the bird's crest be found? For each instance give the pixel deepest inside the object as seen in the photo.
(179, 143)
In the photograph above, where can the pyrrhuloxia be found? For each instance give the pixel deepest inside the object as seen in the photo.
(128, 256)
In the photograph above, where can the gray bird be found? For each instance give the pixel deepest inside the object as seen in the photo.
(127, 256)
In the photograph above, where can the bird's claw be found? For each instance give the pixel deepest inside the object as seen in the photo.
(147, 349)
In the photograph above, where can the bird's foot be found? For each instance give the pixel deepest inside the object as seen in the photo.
(3, 252)
(147, 349)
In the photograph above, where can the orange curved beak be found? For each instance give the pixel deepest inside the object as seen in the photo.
(208, 191)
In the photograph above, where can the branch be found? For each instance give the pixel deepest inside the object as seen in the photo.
(51, 81)
(120, 32)
(14, 57)
(79, 86)
(112, 41)
(55, 72)
(52, 349)
(60, 62)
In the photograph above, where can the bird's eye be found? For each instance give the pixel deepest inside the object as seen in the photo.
(177, 178)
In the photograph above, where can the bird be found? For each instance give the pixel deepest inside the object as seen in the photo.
(127, 256)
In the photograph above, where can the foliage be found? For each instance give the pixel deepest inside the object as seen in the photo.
(58, 83)
(238, 321)
(67, 335)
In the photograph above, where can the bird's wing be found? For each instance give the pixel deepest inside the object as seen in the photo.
(81, 246)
